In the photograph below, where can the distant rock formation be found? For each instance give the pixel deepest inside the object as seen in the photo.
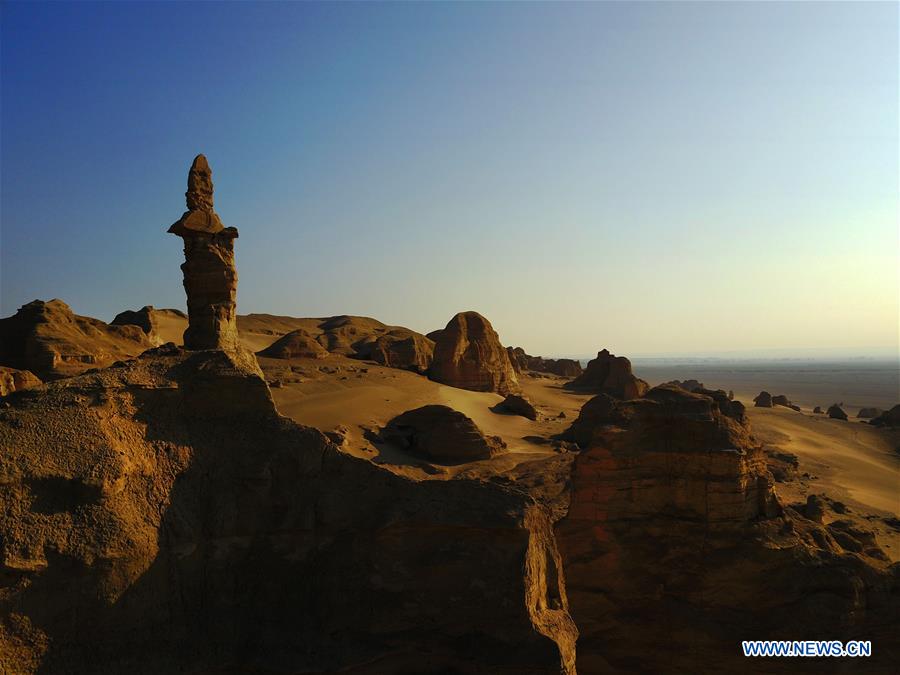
(763, 400)
(869, 413)
(522, 362)
(514, 404)
(147, 319)
(609, 374)
(398, 348)
(210, 277)
(818, 410)
(298, 344)
(52, 342)
(889, 418)
(441, 434)
(468, 355)
(783, 400)
(687, 385)
(835, 412)
(13, 380)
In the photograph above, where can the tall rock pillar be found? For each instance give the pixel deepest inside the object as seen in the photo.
(210, 278)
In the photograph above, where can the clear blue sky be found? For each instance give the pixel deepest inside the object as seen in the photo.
(652, 178)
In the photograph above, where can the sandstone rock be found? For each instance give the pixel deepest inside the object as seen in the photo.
(815, 508)
(818, 410)
(190, 528)
(725, 403)
(611, 375)
(440, 433)
(687, 385)
(297, 344)
(399, 348)
(523, 362)
(869, 413)
(468, 355)
(890, 418)
(763, 400)
(514, 404)
(12, 380)
(210, 277)
(835, 412)
(51, 341)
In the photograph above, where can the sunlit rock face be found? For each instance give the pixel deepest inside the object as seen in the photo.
(210, 277)
(609, 374)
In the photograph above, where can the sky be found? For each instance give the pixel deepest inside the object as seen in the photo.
(653, 178)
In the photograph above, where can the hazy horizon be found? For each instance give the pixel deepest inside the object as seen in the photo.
(641, 177)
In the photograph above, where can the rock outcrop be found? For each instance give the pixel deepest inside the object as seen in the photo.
(515, 404)
(51, 341)
(468, 355)
(398, 348)
(869, 413)
(148, 319)
(609, 374)
(687, 385)
(297, 344)
(522, 362)
(441, 434)
(160, 516)
(13, 380)
(889, 418)
(835, 412)
(763, 400)
(674, 535)
(210, 277)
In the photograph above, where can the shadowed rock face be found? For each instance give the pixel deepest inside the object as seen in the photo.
(51, 341)
(889, 418)
(835, 412)
(674, 537)
(190, 528)
(12, 380)
(210, 277)
(609, 374)
(514, 404)
(468, 355)
(763, 400)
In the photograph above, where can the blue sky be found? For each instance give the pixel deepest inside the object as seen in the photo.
(652, 178)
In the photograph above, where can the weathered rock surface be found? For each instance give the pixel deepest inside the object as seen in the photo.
(835, 412)
(514, 404)
(51, 341)
(674, 536)
(468, 355)
(294, 345)
(522, 362)
(763, 400)
(398, 348)
(440, 433)
(890, 418)
(609, 374)
(161, 517)
(869, 413)
(687, 385)
(148, 318)
(12, 380)
(210, 277)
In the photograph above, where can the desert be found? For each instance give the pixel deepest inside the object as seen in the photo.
(449, 338)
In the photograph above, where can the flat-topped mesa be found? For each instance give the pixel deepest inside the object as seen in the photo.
(210, 277)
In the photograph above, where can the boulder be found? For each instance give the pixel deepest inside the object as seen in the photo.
(818, 410)
(439, 433)
(763, 400)
(298, 344)
(835, 412)
(609, 374)
(468, 355)
(890, 418)
(869, 413)
(514, 404)
(12, 380)
(523, 362)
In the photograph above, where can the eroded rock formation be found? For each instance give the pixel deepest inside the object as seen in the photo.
(869, 413)
(51, 341)
(889, 418)
(609, 374)
(522, 362)
(210, 277)
(763, 400)
(687, 385)
(12, 380)
(515, 404)
(835, 412)
(296, 344)
(468, 355)
(190, 528)
(675, 537)
(441, 434)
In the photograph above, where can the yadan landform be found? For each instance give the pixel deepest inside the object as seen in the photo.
(219, 493)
